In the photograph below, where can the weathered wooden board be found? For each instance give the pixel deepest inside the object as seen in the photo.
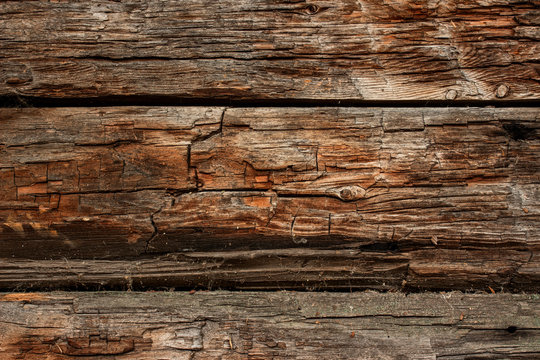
(272, 49)
(428, 198)
(293, 268)
(282, 325)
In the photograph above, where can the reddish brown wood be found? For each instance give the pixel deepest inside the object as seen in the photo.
(279, 49)
(270, 197)
(317, 198)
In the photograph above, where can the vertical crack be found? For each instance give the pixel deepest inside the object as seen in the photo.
(220, 130)
(292, 225)
(190, 166)
(155, 232)
(317, 158)
(329, 223)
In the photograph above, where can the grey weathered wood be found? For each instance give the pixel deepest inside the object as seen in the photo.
(252, 198)
(347, 49)
(282, 325)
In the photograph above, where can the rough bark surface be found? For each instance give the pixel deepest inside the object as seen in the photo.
(428, 198)
(282, 325)
(268, 49)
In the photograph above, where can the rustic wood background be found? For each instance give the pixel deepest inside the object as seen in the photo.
(282, 325)
(272, 49)
(389, 145)
(253, 198)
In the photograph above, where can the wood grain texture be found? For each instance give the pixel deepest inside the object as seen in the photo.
(282, 325)
(258, 198)
(272, 49)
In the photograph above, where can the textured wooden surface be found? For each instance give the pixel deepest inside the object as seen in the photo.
(432, 198)
(282, 325)
(265, 198)
(268, 49)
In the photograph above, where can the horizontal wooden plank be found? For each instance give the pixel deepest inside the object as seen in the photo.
(280, 325)
(286, 197)
(272, 49)
(314, 268)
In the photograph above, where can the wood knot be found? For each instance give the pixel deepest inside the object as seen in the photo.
(17, 75)
(312, 9)
(350, 193)
(502, 91)
(451, 94)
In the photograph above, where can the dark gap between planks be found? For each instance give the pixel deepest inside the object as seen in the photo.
(144, 100)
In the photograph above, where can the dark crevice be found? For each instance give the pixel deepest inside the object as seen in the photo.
(374, 316)
(155, 231)
(511, 329)
(171, 191)
(212, 133)
(166, 100)
(138, 283)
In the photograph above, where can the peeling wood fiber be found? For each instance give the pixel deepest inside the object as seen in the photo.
(280, 325)
(231, 49)
(255, 198)
(292, 180)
